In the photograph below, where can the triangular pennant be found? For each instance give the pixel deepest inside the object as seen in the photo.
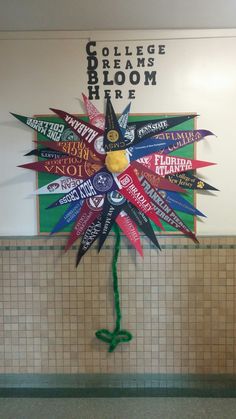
(89, 237)
(164, 164)
(99, 184)
(142, 222)
(46, 153)
(73, 149)
(91, 135)
(61, 185)
(156, 181)
(113, 205)
(68, 166)
(138, 131)
(164, 211)
(182, 138)
(95, 117)
(188, 181)
(54, 131)
(133, 191)
(68, 217)
(178, 203)
(123, 120)
(113, 138)
(148, 146)
(130, 230)
(89, 211)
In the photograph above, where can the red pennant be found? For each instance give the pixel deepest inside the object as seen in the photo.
(91, 135)
(130, 229)
(95, 117)
(73, 149)
(68, 166)
(90, 210)
(164, 164)
(132, 190)
(156, 181)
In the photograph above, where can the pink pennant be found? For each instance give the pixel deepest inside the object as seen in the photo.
(130, 229)
(90, 134)
(132, 190)
(95, 117)
(90, 210)
(68, 166)
(164, 164)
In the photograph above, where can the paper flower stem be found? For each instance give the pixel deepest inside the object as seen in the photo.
(118, 335)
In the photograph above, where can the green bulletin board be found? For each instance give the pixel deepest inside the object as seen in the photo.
(47, 218)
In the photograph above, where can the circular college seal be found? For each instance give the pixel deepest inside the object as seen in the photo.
(95, 202)
(112, 135)
(98, 145)
(102, 181)
(115, 198)
(69, 135)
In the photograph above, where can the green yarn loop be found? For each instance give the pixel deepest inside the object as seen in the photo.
(118, 335)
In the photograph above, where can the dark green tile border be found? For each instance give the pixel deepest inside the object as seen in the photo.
(117, 385)
(124, 244)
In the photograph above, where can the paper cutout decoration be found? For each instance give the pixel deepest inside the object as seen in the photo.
(115, 173)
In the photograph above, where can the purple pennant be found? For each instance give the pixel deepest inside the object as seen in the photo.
(182, 138)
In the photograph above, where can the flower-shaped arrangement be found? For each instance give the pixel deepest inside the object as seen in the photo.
(125, 178)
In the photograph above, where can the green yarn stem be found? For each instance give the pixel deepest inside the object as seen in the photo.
(118, 335)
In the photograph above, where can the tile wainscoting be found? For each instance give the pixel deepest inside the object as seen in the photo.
(179, 304)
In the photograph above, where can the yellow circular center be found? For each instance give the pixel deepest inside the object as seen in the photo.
(116, 161)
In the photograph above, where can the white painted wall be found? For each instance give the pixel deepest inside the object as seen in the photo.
(42, 70)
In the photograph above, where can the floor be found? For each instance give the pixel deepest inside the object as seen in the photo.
(118, 408)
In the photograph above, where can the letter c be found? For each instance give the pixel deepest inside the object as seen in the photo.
(88, 49)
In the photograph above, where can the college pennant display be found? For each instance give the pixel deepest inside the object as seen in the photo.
(89, 237)
(111, 172)
(46, 153)
(69, 216)
(59, 186)
(54, 131)
(68, 166)
(133, 191)
(113, 138)
(178, 203)
(139, 131)
(182, 138)
(113, 205)
(88, 133)
(164, 211)
(100, 183)
(142, 222)
(96, 118)
(189, 181)
(90, 210)
(164, 164)
(156, 181)
(74, 149)
(149, 146)
(130, 230)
